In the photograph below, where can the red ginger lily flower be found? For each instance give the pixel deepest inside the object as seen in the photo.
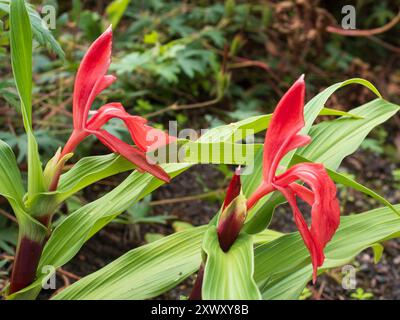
(90, 81)
(283, 136)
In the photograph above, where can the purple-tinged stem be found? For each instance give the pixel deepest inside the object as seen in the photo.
(196, 291)
(25, 264)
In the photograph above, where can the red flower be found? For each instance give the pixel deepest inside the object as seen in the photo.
(283, 136)
(90, 81)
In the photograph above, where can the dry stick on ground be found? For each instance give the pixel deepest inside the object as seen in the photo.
(188, 198)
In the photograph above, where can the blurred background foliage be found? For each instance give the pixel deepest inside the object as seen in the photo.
(202, 63)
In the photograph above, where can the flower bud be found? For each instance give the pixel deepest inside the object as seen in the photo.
(231, 222)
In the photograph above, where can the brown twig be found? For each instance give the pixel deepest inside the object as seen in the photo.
(68, 274)
(186, 199)
(364, 33)
(8, 216)
(386, 45)
(176, 107)
(6, 257)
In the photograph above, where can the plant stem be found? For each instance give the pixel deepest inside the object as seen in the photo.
(25, 264)
(196, 291)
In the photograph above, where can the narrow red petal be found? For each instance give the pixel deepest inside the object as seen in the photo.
(303, 192)
(283, 131)
(137, 157)
(233, 189)
(91, 79)
(312, 244)
(262, 190)
(145, 137)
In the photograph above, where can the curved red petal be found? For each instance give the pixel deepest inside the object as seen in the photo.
(303, 192)
(283, 131)
(137, 157)
(91, 79)
(312, 244)
(262, 190)
(145, 137)
(325, 212)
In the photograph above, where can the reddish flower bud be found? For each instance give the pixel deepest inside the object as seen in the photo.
(233, 214)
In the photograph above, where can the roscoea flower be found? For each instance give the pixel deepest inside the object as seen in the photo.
(320, 193)
(90, 81)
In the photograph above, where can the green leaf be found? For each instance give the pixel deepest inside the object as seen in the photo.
(229, 275)
(348, 182)
(283, 268)
(11, 187)
(333, 140)
(144, 272)
(43, 35)
(89, 170)
(316, 104)
(21, 61)
(115, 10)
(40, 31)
(21, 57)
(128, 276)
(378, 251)
(333, 112)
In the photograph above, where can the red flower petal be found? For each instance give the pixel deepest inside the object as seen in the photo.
(303, 192)
(262, 190)
(233, 189)
(145, 137)
(282, 134)
(312, 244)
(325, 212)
(132, 154)
(91, 78)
